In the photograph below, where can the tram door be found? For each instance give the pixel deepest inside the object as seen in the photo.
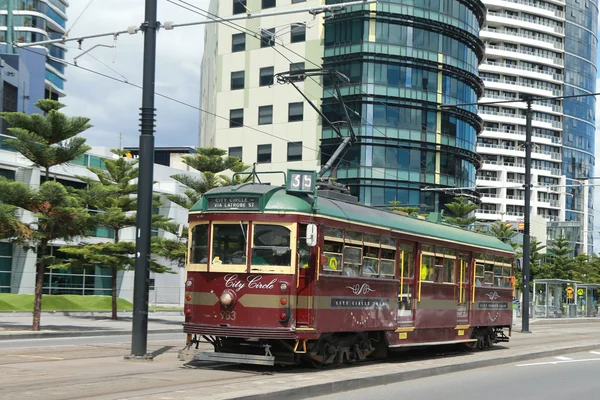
(406, 289)
(305, 279)
(464, 292)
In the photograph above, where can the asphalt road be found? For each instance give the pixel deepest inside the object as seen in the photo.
(572, 376)
(179, 339)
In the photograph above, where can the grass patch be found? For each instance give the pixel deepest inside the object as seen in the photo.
(67, 302)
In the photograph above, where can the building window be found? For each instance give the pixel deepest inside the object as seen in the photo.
(238, 42)
(295, 112)
(297, 66)
(239, 6)
(236, 118)
(266, 76)
(5, 267)
(268, 4)
(237, 80)
(235, 152)
(265, 115)
(298, 33)
(264, 153)
(294, 151)
(298, 1)
(267, 37)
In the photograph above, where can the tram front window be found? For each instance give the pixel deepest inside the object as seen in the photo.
(229, 243)
(271, 246)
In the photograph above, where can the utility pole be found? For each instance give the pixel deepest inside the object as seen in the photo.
(139, 339)
(527, 223)
(9, 27)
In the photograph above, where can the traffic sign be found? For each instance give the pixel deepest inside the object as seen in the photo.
(580, 292)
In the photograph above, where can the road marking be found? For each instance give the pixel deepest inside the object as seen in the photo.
(595, 352)
(563, 358)
(558, 362)
(27, 356)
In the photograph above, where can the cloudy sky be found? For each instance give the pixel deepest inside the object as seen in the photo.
(114, 106)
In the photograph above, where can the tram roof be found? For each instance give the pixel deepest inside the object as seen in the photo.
(277, 199)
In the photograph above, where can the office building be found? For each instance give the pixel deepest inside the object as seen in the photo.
(28, 21)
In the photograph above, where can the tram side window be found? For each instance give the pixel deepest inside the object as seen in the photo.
(479, 271)
(427, 267)
(229, 244)
(352, 261)
(386, 264)
(199, 253)
(271, 246)
(333, 254)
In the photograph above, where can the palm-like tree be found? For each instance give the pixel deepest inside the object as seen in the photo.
(11, 227)
(113, 194)
(211, 163)
(50, 139)
(460, 208)
(59, 215)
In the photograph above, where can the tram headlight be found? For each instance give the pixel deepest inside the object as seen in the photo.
(189, 283)
(283, 287)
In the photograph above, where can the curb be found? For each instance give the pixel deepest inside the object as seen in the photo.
(85, 313)
(38, 335)
(366, 382)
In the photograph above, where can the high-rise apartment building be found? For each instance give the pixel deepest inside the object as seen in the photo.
(29, 21)
(546, 49)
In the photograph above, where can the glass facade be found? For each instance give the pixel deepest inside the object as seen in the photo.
(53, 22)
(581, 46)
(404, 59)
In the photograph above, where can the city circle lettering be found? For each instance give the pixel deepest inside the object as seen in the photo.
(232, 281)
(232, 203)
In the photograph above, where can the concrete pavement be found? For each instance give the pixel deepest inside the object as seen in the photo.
(64, 372)
(74, 324)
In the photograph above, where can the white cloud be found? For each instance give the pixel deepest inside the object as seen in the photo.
(113, 106)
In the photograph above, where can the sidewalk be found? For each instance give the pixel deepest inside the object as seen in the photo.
(73, 324)
(76, 324)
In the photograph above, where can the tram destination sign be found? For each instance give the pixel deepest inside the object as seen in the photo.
(233, 203)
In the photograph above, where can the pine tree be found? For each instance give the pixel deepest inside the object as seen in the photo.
(113, 195)
(211, 163)
(50, 139)
(59, 214)
(460, 208)
(47, 140)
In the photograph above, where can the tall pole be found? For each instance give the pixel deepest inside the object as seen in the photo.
(144, 196)
(9, 27)
(527, 224)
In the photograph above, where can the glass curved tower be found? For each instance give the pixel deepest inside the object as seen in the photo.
(34, 21)
(581, 48)
(405, 58)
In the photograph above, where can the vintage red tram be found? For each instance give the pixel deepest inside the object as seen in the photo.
(282, 274)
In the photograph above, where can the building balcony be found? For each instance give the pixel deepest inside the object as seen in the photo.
(520, 86)
(513, 118)
(488, 215)
(527, 6)
(509, 134)
(527, 39)
(503, 51)
(518, 70)
(528, 23)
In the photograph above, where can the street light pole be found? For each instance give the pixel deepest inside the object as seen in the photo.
(139, 339)
(527, 223)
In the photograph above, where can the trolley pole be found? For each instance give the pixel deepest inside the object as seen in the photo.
(139, 339)
(526, 228)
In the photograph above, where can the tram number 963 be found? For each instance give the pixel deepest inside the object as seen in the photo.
(228, 315)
